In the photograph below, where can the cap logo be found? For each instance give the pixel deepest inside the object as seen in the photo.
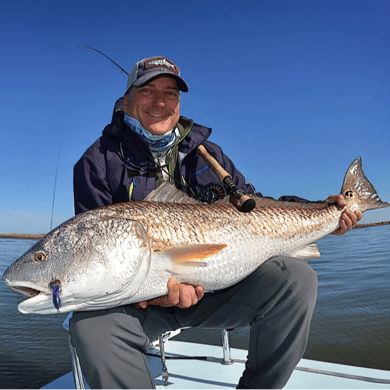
(161, 62)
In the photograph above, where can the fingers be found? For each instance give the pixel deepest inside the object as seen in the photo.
(188, 296)
(171, 299)
(173, 296)
(348, 220)
(141, 305)
(342, 229)
(181, 295)
(339, 199)
(199, 292)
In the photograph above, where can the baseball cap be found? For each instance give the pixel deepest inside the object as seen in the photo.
(149, 68)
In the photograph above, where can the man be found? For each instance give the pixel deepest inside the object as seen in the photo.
(146, 143)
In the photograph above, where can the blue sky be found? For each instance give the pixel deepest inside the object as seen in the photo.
(294, 91)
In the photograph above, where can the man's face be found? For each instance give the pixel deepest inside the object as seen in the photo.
(155, 105)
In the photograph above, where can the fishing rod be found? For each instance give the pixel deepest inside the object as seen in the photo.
(239, 199)
(97, 51)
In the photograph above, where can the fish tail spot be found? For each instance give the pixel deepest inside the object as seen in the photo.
(357, 189)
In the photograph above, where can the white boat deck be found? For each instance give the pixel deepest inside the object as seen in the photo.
(198, 366)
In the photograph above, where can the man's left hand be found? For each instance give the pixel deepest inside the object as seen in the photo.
(348, 218)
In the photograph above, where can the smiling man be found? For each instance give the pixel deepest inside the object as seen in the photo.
(156, 106)
(146, 143)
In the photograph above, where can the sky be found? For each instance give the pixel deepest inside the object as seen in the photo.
(295, 90)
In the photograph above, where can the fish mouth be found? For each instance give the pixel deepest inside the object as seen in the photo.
(30, 292)
(30, 289)
(39, 298)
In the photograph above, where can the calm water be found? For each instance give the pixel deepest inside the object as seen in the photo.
(350, 324)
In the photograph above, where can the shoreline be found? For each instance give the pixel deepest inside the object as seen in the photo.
(24, 236)
(364, 225)
(39, 236)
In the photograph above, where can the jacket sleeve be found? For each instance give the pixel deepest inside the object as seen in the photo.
(90, 185)
(293, 198)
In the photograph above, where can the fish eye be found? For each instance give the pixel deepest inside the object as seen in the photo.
(39, 256)
(349, 194)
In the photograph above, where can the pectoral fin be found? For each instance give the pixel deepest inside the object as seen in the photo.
(310, 252)
(193, 255)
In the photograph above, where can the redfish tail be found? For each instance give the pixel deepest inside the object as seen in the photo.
(358, 191)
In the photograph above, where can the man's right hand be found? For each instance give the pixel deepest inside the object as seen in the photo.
(181, 295)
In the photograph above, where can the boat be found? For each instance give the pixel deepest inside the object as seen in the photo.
(184, 365)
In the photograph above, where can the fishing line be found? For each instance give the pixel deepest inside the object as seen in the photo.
(58, 163)
(54, 190)
(161, 168)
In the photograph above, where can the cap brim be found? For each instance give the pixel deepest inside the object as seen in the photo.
(153, 74)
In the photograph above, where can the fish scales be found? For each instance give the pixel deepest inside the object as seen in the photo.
(125, 253)
(183, 224)
(219, 224)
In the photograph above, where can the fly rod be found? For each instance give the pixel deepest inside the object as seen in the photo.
(238, 198)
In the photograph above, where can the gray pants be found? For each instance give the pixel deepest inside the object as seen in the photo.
(277, 302)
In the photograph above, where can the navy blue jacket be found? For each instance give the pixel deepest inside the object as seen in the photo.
(101, 177)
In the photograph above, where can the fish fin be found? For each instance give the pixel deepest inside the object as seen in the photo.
(168, 193)
(193, 255)
(309, 252)
(358, 191)
(224, 200)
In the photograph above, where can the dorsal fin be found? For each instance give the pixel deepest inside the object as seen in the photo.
(225, 200)
(168, 193)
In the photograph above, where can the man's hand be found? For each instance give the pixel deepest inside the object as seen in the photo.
(181, 295)
(348, 219)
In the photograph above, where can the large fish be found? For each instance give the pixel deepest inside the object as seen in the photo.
(125, 253)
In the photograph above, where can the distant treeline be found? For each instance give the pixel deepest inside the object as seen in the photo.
(39, 236)
(364, 225)
(26, 236)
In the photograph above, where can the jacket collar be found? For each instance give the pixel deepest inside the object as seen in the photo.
(191, 134)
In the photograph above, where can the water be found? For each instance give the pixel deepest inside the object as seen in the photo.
(350, 323)
(33, 349)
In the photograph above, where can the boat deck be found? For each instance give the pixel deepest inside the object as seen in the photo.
(197, 366)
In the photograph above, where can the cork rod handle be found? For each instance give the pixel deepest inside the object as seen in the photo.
(238, 198)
